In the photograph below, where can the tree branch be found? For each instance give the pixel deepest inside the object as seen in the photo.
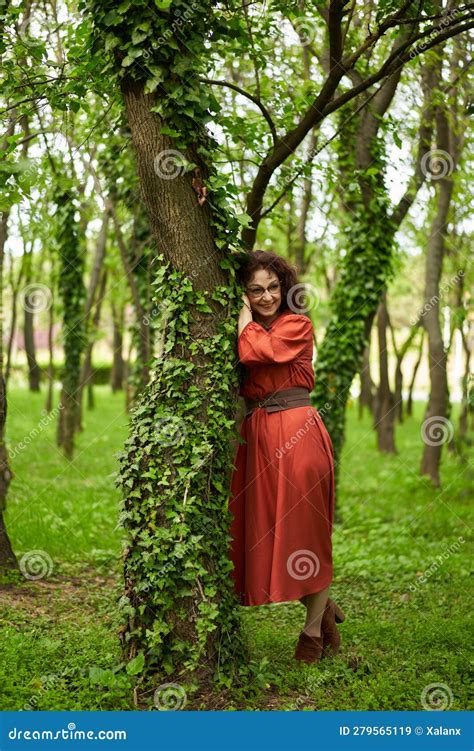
(250, 96)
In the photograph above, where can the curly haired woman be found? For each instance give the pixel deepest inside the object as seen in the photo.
(282, 487)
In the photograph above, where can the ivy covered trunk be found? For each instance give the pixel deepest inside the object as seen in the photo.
(179, 602)
(72, 293)
(354, 303)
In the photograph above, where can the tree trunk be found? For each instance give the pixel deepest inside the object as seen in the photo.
(400, 355)
(415, 371)
(467, 403)
(367, 386)
(15, 289)
(117, 376)
(86, 378)
(8, 559)
(49, 394)
(141, 313)
(71, 288)
(385, 414)
(436, 429)
(91, 296)
(34, 371)
(183, 233)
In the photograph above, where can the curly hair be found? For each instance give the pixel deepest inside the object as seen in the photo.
(287, 276)
(286, 273)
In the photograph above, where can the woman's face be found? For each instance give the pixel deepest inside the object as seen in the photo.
(264, 292)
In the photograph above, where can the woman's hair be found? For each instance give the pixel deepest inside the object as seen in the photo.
(287, 275)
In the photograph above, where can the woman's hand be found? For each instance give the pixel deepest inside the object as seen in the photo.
(245, 314)
(246, 301)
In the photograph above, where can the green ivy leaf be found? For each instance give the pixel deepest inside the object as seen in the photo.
(136, 665)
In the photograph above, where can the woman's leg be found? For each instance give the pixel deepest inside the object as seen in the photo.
(315, 605)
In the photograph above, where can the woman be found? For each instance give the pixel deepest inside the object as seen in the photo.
(282, 487)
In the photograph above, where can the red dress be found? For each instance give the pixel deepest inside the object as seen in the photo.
(282, 486)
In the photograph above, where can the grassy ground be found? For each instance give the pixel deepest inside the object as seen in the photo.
(401, 575)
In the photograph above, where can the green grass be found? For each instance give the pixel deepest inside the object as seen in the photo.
(59, 641)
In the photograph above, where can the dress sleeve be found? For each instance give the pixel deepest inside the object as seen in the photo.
(286, 342)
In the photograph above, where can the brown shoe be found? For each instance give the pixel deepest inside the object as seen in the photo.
(331, 638)
(309, 648)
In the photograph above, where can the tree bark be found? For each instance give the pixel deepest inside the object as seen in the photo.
(436, 428)
(15, 289)
(367, 386)
(8, 559)
(91, 298)
(400, 355)
(34, 371)
(87, 373)
(117, 375)
(50, 388)
(415, 371)
(141, 312)
(385, 412)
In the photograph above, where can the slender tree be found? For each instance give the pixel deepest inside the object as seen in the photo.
(450, 138)
(72, 293)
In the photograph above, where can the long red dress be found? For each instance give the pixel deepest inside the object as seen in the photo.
(282, 486)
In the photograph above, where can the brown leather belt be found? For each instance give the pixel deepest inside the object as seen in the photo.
(297, 396)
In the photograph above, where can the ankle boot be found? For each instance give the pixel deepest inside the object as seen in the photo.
(331, 638)
(309, 648)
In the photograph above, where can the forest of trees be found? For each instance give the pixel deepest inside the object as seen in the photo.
(146, 149)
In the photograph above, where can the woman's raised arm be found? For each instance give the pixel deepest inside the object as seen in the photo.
(284, 342)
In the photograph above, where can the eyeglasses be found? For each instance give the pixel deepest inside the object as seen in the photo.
(256, 292)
